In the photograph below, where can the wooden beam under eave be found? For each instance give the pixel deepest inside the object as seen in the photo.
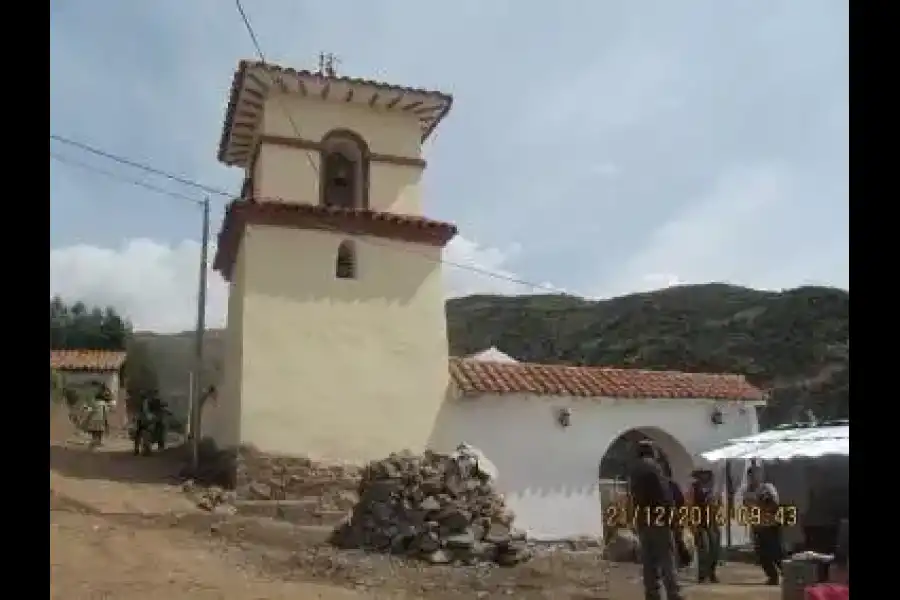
(395, 101)
(255, 93)
(427, 110)
(259, 82)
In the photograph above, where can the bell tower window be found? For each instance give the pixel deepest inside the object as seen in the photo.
(344, 176)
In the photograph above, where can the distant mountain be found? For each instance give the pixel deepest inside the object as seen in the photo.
(795, 344)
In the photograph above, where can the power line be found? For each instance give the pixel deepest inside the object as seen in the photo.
(275, 80)
(219, 192)
(256, 43)
(131, 163)
(136, 182)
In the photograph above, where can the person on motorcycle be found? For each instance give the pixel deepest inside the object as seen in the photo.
(150, 421)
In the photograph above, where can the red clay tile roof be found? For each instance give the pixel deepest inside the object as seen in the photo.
(246, 68)
(86, 360)
(309, 216)
(478, 377)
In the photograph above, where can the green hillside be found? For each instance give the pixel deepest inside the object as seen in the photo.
(795, 344)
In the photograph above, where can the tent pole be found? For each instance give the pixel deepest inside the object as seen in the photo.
(729, 502)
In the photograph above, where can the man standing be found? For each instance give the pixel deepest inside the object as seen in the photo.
(767, 533)
(98, 415)
(650, 492)
(707, 534)
(682, 554)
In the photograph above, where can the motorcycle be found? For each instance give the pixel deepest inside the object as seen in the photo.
(147, 431)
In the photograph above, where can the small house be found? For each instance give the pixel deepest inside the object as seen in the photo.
(90, 367)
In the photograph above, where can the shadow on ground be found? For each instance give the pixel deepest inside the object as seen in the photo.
(78, 461)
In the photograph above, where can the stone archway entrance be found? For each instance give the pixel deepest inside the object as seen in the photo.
(616, 462)
(675, 460)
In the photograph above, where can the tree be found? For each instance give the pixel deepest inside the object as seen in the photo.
(141, 379)
(78, 327)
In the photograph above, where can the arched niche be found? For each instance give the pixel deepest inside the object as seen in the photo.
(344, 170)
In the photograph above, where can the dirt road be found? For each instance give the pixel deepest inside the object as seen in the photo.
(121, 528)
(115, 533)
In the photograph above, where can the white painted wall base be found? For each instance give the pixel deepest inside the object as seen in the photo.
(549, 474)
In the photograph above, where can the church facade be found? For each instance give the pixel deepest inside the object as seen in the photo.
(336, 344)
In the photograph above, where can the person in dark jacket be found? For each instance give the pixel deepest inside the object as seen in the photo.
(841, 564)
(767, 535)
(707, 534)
(651, 492)
(682, 553)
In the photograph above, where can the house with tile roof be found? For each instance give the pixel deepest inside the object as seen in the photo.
(560, 436)
(336, 345)
(89, 367)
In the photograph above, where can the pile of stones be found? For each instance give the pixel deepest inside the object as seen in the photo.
(433, 507)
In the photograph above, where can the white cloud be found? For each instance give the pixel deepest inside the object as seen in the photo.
(155, 285)
(700, 244)
(606, 170)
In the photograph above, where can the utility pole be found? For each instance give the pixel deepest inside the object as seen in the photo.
(196, 380)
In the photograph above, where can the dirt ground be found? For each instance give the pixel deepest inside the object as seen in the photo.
(120, 527)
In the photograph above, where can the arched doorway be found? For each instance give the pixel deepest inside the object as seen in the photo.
(675, 460)
(616, 462)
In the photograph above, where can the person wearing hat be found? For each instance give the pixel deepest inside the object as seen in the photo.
(707, 534)
(97, 423)
(650, 491)
(767, 534)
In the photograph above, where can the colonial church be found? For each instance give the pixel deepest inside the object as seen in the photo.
(336, 343)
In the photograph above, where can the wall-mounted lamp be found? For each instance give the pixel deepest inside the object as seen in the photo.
(716, 417)
(564, 417)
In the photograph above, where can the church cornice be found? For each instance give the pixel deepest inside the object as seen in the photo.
(253, 80)
(240, 213)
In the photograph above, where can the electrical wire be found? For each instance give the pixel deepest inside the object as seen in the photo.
(219, 192)
(143, 167)
(311, 161)
(262, 57)
(115, 176)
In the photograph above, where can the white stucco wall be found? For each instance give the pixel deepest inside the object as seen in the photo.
(336, 370)
(549, 474)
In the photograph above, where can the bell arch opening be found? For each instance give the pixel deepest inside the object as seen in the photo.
(344, 171)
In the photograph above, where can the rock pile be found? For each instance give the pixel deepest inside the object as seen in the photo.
(435, 507)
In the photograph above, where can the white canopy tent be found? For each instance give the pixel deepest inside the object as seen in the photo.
(793, 455)
(787, 443)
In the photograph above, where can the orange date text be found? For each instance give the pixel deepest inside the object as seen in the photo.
(664, 516)
(696, 516)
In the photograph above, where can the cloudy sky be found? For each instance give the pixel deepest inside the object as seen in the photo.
(603, 147)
